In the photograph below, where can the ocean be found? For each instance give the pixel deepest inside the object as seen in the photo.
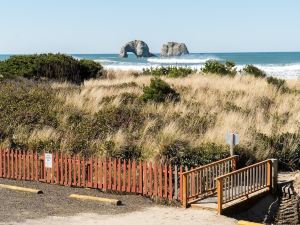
(280, 64)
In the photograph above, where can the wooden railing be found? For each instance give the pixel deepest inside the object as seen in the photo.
(201, 182)
(243, 182)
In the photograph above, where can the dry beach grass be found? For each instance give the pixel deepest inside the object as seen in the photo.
(209, 106)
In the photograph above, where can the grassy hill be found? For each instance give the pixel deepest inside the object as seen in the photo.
(108, 116)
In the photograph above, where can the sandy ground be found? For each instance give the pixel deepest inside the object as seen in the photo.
(55, 207)
(150, 216)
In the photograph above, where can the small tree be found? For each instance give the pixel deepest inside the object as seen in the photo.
(214, 66)
(159, 91)
(253, 70)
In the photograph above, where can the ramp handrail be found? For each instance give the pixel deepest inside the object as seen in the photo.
(201, 181)
(242, 182)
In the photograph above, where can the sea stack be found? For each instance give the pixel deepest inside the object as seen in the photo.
(173, 49)
(138, 47)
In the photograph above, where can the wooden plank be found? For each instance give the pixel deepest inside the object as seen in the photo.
(65, 162)
(220, 195)
(129, 176)
(24, 165)
(61, 168)
(119, 175)
(140, 178)
(52, 169)
(1, 162)
(145, 178)
(16, 164)
(180, 182)
(175, 182)
(95, 183)
(83, 172)
(74, 170)
(78, 171)
(100, 179)
(160, 181)
(115, 175)
(105, 174)
(184, 190)
(32, 166)
(155, 179)
(124, 176)
(70, 170)
(170, 183)
(109, 173)
(20, 165)
(150, 179)
(8, 164)
(134, 176)
(36, 158)
(166, 181)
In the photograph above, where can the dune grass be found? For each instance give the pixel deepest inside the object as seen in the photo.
(108, 117)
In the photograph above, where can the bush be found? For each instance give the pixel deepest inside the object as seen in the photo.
(181, 153)
(90, 69)
(278, 83)
(159, 91)
(51, 66)
(253, 70)
(214, 66)
(170, 71)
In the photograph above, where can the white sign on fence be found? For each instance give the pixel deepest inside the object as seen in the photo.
(48, 160)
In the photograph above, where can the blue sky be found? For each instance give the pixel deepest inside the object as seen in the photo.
(96, 26)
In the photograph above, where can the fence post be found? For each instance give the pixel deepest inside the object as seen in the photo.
(274, 174)
(234, 165)
(220, 195)
(184, 190)
(269, 174)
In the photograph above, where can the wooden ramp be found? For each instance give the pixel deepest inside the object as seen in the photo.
(219, 185)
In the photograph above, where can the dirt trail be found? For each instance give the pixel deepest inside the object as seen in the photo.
(54, 207)
(150, 216)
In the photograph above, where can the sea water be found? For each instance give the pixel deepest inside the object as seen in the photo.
(280, 64)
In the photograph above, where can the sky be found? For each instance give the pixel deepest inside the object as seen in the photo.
(103, 26)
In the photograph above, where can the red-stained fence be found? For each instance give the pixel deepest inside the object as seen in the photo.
(146, 178)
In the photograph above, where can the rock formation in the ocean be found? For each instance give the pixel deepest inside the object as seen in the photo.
(173, 49)
(139, 48)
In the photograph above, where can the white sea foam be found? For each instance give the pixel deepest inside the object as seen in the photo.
(104, 60)
(179, 60)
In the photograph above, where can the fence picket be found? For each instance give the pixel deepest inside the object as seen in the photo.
(140, 178)
(129, 177)
(150, 179)
(155, 179)
(170, 183)
(124, 176)
(166, 181)
(115, 175)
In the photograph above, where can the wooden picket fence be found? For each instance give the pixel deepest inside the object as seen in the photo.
(108, 174)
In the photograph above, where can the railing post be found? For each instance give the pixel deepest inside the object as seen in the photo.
(220, 194)
(274, 174)
(235, 159)
(184, 190)
(269, 174)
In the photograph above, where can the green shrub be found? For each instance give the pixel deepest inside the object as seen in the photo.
(284, 147)
(276, 82)
(253, 70)
(170, 71)
(51, 66)
(159, 91)
(216, 67)
(90, 69)
(181, 153)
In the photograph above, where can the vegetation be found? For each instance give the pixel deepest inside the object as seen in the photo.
(50, 66)
(253, 70)
(170, 71)
(216, 67)
(159, 91)
(142, 117)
